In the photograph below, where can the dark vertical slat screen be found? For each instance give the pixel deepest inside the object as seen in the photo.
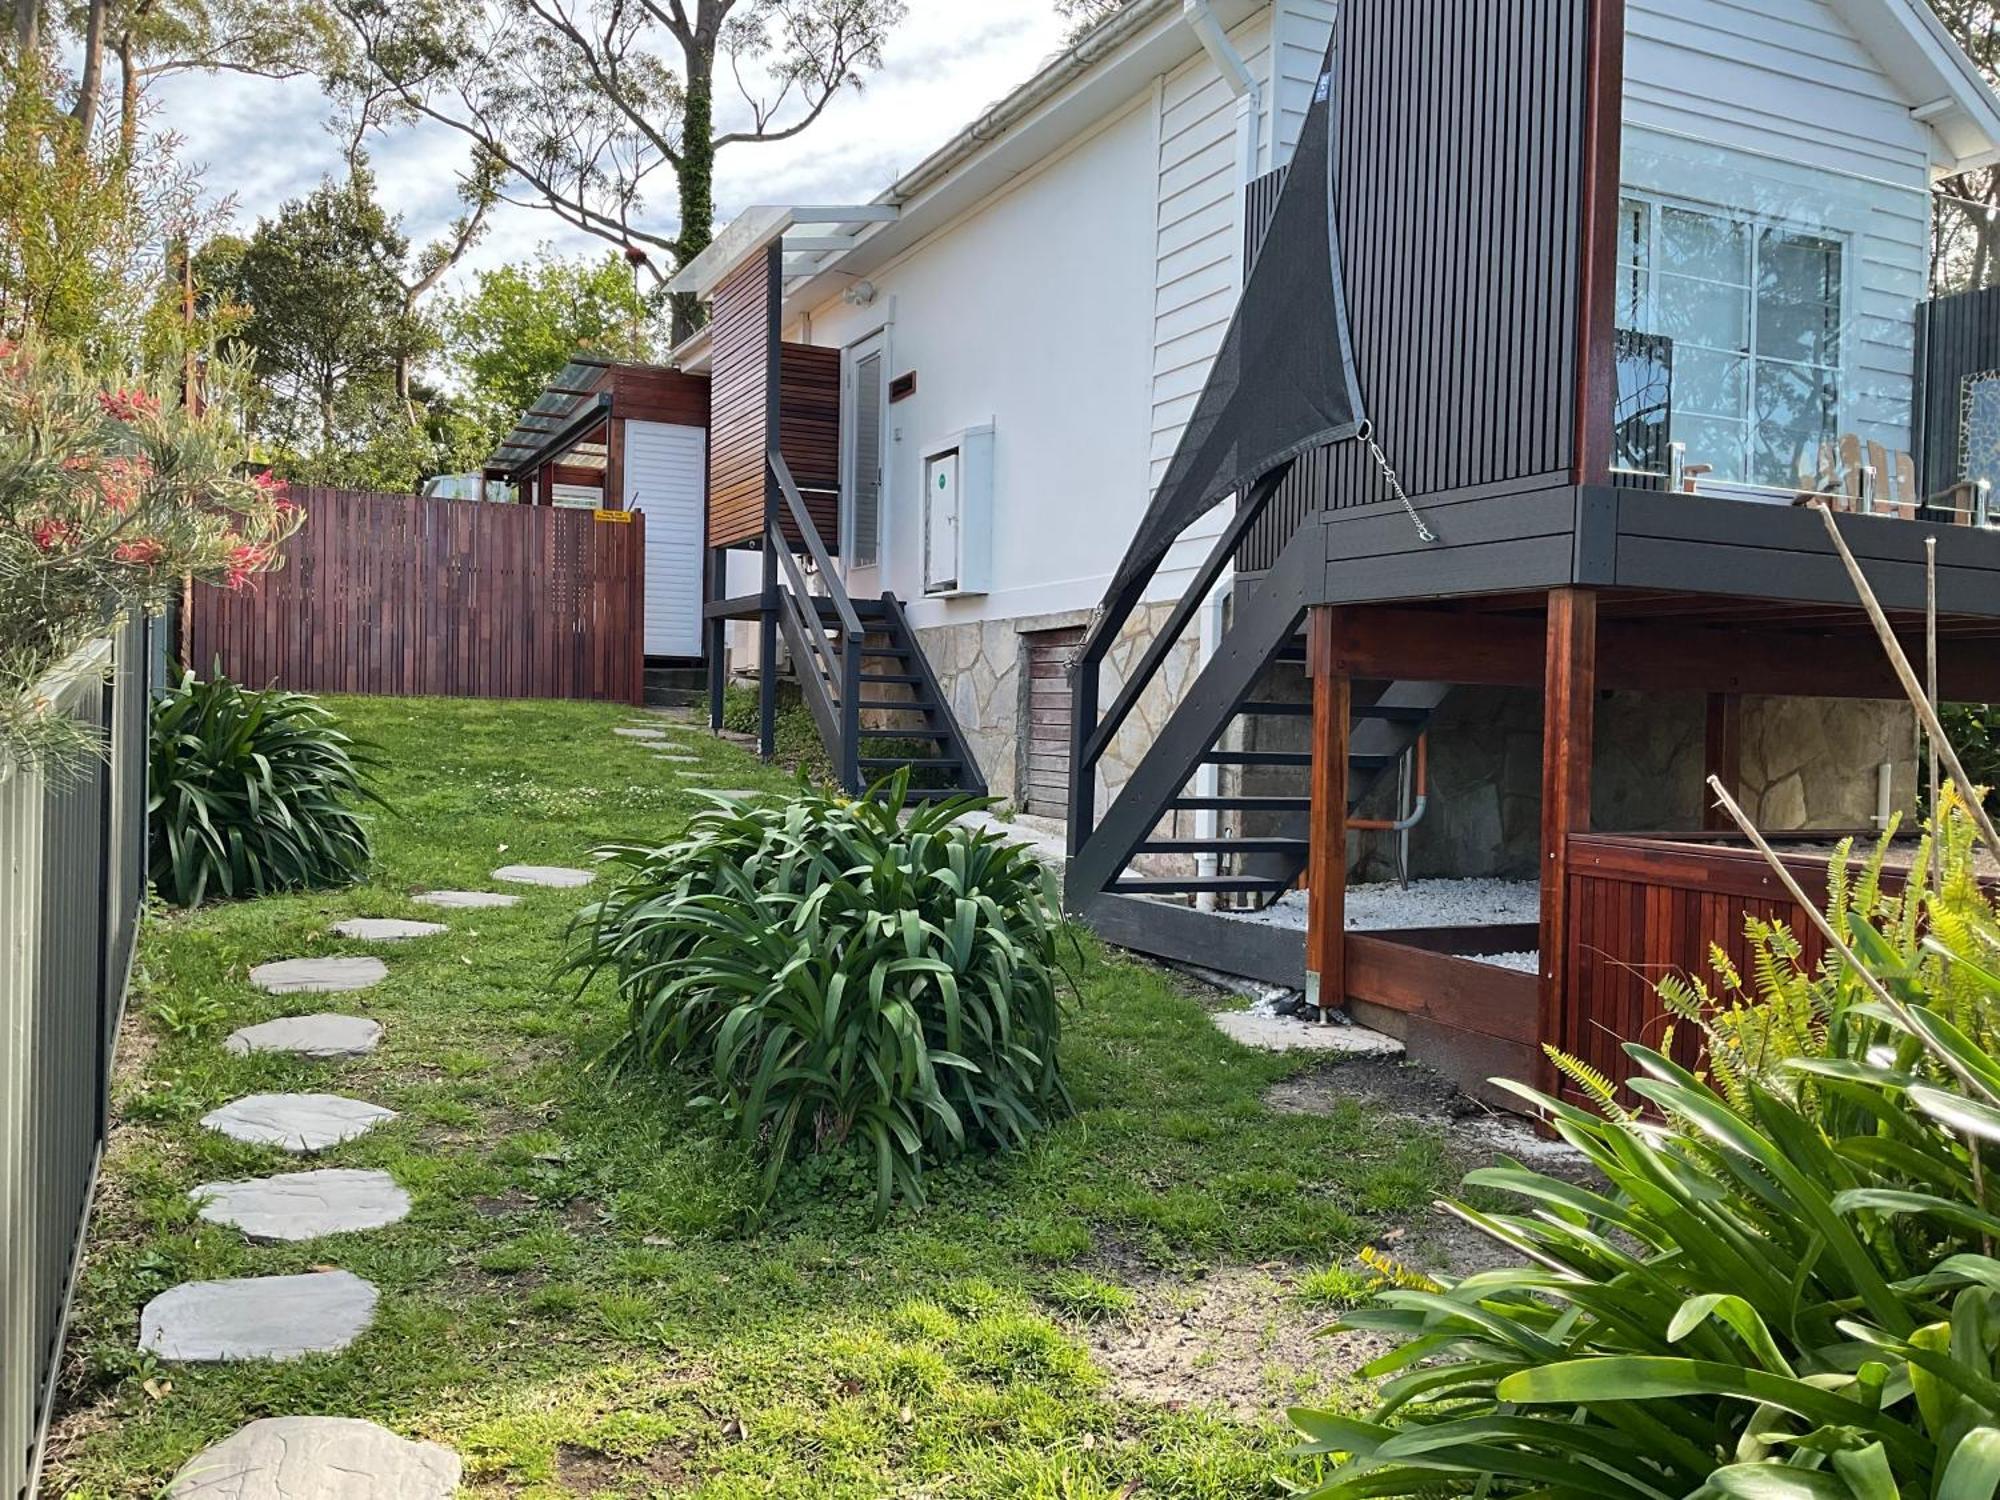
(1957, 336)
(1460, 192)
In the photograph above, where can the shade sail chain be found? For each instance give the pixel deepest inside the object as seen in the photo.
(1394, 485)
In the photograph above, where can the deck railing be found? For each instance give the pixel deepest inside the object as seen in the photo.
(72, 882)
(829, 667)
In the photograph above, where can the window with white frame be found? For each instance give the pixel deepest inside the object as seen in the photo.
(1753, 311)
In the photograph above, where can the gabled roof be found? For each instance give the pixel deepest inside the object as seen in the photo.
(1918, 51)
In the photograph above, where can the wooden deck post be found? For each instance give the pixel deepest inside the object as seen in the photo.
(1568, 731)
(1722, 754)
(1326, 861)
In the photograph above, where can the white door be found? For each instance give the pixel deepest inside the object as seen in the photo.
(666, 476)
(867, 407)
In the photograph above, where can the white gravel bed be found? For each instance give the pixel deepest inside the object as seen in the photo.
(1479, 902)
(1529, 962)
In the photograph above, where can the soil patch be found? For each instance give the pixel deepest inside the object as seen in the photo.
(1237, 1341)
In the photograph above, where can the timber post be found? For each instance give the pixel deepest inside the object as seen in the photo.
(1326, 861)
(1569, 704)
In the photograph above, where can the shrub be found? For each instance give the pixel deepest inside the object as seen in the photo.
(252, 793)
(1788, 1290)
(109, 499)
(841, 974)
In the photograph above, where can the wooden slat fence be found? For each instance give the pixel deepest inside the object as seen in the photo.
(406, 596)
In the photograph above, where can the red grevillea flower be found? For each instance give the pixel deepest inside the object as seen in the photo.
(121, 482)
(142, 551)
(128, 406)
(50, 534)
(245, 559)
(270, 483)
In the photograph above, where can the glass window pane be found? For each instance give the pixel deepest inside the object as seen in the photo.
(1631, 298)
(1796, 414)
(1631, 232)
(1700, 312)
(1709, 384)
(1798, 298)
(1697, 244)
(1715, 442)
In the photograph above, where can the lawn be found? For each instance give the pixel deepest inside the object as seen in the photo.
(584, 1299)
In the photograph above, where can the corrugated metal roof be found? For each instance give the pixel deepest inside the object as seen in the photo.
(560, 403)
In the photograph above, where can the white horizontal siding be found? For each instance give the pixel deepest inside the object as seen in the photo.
(1303, 28)
(1777, 108)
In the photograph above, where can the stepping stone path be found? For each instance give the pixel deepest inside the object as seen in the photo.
(555, 876)
(318, 976)
(686, 760)
(304, 1205)
(386, 929)
(1269, 1033)
(324, 1035)
(642, 734)
(258, 1317)
(318, 1458)
(297, 1122)
(467, 900)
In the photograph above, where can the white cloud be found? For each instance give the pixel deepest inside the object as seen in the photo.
(264, 141)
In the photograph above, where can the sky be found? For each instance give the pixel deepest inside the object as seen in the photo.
(264, 141)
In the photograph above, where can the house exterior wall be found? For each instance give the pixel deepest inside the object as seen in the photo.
(1778, 107)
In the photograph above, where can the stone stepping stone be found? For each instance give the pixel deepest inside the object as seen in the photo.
(467, 900)
(741, 793)
(258, 1317)
(686, 760)
(323, 1035)
(641, 734)
(297, 1122)
(387, 929)
(318, 976)
(556, 876)
(304, 1205)
(318, 1458)
(1269, 1033)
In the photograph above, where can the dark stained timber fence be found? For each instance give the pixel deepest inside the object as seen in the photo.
(406, 596)
(72, 882)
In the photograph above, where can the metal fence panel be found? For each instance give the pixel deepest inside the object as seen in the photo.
(72, 873)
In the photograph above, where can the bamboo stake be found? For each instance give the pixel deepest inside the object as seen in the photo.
(1836, 942)
(1912, 689)
(1931, 693)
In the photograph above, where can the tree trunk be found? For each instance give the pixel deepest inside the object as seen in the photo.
(27, 28)
(128, 97)
(90, 81)
(697, 177)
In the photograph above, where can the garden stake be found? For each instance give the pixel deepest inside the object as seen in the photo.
(1933, 726)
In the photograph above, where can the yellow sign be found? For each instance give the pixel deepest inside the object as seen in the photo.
(616, 517)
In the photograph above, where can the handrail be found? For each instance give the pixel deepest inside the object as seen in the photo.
(1190, 603)
(1090, 737)
(775, 539)
(892, 608)
(850, 622)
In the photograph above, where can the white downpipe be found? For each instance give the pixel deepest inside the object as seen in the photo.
(1249, 119)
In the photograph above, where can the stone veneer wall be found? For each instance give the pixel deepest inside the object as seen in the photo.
(979, 664)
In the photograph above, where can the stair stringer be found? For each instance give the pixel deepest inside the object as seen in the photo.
(1260, 629)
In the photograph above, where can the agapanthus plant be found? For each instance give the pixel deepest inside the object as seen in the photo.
(110, 497)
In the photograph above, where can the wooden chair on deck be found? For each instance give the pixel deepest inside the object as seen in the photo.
(1884, 485)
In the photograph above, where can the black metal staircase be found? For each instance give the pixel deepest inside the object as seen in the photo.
(1263, 854)
(861, 669)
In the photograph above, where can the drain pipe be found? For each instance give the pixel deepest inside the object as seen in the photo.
(1237, 75)
(1415, 815)
(1208, 780)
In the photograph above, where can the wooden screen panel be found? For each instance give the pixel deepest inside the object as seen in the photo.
(1469, 141)
(809, 433)
(652, 393)
(1045, 784)
(1642, 909)
(739, 375)
(403, 596)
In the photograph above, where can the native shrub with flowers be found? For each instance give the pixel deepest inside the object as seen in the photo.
(109, 498)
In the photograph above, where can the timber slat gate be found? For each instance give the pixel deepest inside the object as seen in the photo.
(72, 882)
(408, 596)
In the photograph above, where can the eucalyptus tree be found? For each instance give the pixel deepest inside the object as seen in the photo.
(590, 103)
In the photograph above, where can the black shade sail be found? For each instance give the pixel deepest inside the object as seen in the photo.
(1284, 380)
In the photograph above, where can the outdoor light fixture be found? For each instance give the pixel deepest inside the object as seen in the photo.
(861, 294)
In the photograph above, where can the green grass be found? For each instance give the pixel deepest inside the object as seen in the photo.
(583, 1301)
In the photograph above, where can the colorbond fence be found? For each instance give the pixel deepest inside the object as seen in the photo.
(402, 595)
(72, 881)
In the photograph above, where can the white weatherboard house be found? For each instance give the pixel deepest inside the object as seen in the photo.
(1024, 320)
